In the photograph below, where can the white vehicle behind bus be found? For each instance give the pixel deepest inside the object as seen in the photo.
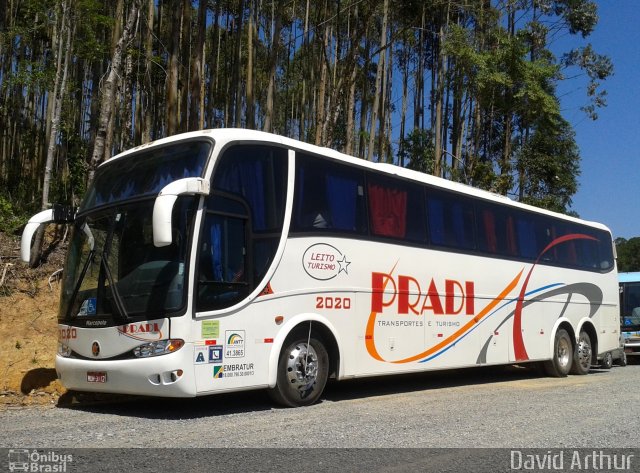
(226, 260)
(630, 313)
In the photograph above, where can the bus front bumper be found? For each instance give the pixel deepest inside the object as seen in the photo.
(169, 375)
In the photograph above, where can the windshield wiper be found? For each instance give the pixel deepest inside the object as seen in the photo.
(76, 289)
(123, 316)
(117, 298)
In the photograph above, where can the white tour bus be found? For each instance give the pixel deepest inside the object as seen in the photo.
(226, 260)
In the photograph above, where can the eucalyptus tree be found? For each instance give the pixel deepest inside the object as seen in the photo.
(101, 146)
(464, 90)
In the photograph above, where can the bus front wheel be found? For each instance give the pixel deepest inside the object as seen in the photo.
(560, 365)
(303, 369)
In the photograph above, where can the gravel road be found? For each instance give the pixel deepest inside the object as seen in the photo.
(491, 408)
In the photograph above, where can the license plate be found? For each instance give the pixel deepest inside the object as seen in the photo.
(96, 376)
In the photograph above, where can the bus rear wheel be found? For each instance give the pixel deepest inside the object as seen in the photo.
(560, 365)
(303, 369)
(582, 355)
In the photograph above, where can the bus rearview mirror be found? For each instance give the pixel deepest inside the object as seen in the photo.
(30, 228)
(163, 206)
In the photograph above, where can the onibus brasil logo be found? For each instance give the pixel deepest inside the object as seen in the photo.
(22, 459)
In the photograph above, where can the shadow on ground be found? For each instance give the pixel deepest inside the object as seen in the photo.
(37, 378)
(250, 401)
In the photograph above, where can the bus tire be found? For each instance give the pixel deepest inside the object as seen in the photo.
(560, 365)
(607, 361)
(623, 360)
(302, 372)
(582, 355)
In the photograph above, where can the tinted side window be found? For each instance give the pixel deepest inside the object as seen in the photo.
(242, 226)
(451, 220)
(526, 236)
(630, 306)
(257, 175)
(328, 196)
(396, 209)
(605, 250)
(496, 231)
(596, 253)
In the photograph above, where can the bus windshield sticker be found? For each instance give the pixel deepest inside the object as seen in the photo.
(88, 307)
(210, 329)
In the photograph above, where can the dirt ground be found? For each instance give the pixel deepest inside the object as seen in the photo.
(28, 328)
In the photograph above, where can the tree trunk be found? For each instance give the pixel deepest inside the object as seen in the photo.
(302, 134)
(237, 70)
(184, 69)
(251, 111)
(126, 131)
(109, 90)
(405, 93)
(58, 94)
(504, 182)
(379, 72)
(172, 73)
(148, 93)
(273, 63)
(195, 105)
(438, 127)
(322, 86)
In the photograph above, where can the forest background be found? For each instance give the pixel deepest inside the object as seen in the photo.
(462, 89)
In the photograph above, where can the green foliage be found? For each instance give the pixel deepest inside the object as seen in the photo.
(598, 67)
(500, 126)
(580, 15)
(11, 217)
(549, 167)
(628, 254)
(418, 150)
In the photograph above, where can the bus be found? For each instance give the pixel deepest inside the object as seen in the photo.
(229, 259)
(630, 313)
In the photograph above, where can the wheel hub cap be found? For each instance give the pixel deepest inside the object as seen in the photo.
(584, 353)
(563, 353)
(302, 366)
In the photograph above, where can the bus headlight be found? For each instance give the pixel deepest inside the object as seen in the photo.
(159, 347)
(64, 350)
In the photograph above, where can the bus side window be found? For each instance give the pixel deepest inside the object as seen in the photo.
(487, 238)
(526, 237)
(328, 196)
(396, 208)
(451, 221)
(387, 211)
(222, 276)
(496, 231)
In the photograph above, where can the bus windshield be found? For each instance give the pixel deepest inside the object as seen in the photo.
(146, 173)
(115, 272)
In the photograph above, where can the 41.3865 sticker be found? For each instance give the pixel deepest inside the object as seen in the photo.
(235, 345)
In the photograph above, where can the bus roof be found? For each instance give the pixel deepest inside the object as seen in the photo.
(223, 136)
(629, 277)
